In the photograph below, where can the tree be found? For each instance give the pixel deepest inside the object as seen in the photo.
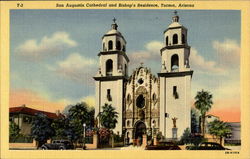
(41, 129)
(219, 128)
(78, 115)
(195, 120)
(14, 131)
(108, 117)
(59, 126)
(203, 103)
(186, 136)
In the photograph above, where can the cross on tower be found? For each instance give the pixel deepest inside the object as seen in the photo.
(175, 12)
(114, 20)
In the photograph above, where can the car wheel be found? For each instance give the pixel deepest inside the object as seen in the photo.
(44, 148)
(61, 148)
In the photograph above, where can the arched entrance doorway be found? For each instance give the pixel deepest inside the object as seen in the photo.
(140, 129)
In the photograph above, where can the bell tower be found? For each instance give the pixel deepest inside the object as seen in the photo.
(112, 73)
(175, 81)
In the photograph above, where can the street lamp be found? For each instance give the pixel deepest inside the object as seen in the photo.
(84, 126)
(153, 128)
(153, 125)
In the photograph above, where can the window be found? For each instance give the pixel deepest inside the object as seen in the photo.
(103, 47)
(118, 45)
(166, 115)
(124, 48)
(140, 81)
(154, 125)
(174, 63)
(26, 119)
(110, 45)
(167, 40)
(128, 123)
(175, 93)
(140, 101)
(126, 70)
(128, 98)
(183, 40)
(109, 95)
(154, 97)
(175, 39)
(109, 67)
(11, 119)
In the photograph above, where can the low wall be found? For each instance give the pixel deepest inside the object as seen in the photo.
(23, 145)
(94, 144)
(212, 138)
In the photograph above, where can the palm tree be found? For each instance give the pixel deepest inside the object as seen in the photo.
(108, 117)
(78, 115)
(219, 128)
(203, 103)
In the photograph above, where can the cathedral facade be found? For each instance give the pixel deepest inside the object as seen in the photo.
(146, 103)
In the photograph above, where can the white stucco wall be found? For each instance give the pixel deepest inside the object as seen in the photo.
(116, 91)
(179, 108)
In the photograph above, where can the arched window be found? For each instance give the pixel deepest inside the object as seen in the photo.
(128, 98)
(124, 48)
(183, 39)
(126, 70)
(128, 123)
(110, 45)
(175, 39)
(174, 63)
(103, 47)
(140, 101)
(153, 123)
(167, 40)
(109, 67)
(154, 97)
(118, 45)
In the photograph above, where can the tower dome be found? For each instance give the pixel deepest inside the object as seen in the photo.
(113, 39)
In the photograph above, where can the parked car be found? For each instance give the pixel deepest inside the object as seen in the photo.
(163, 146)
(207, 146)
(58, 145)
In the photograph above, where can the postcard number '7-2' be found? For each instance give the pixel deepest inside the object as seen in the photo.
(19, 4)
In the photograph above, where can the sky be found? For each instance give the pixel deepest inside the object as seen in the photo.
(53, 53)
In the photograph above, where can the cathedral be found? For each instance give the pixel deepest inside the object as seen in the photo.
(146, 103)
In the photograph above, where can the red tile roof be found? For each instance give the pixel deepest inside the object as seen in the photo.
(30, 111)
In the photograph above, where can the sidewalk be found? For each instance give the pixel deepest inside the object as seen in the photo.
(131, 147)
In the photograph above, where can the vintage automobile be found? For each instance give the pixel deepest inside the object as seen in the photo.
(163, 146)
(207, 146)
(58, 145)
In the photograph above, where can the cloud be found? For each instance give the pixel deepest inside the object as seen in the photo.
(198, 63)
(90, 100)
(77, 68)
(150, 53)
(228, 52)
(47, 46)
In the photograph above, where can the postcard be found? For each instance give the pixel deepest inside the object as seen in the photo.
(122, 79)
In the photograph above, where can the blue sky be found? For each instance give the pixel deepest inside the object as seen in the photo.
(54, 52)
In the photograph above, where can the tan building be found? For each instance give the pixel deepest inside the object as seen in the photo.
(23, 117)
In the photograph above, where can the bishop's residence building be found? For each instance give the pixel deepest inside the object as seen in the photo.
(146, 102)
